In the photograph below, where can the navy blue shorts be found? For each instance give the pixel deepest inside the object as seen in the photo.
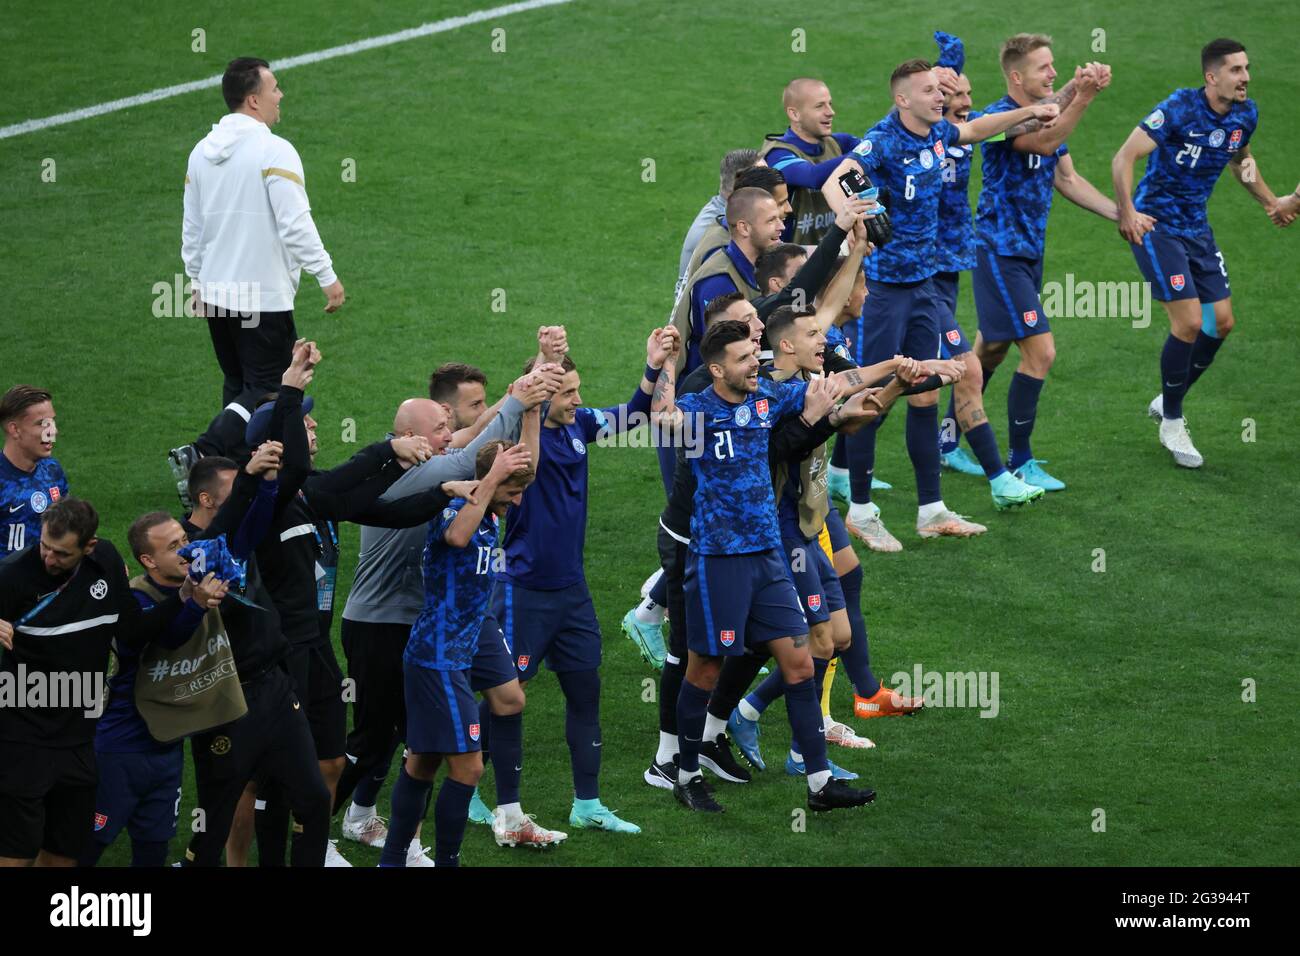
(558, 627)
(839, 534)
(900, 319)
(441, 712)
(732, 599)
(138, 791)
(1006, 296)
(952, 340)
(492, 665)
(815, 580)
(1181, 268)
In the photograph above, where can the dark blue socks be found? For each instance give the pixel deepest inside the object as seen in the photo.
(450, 815)
(1175, 368)
(923, 449)
(410, 798)
(692, 707)
(1022, 407)
(857, 657)
(582, 729)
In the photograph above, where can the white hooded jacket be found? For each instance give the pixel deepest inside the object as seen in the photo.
(248, 231)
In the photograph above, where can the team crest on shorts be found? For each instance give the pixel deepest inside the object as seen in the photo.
(814, 602)
(1216, 138)
(220, 745)
(1031, 318)
(473, 731)
(760, 406)
(742, 416)
(54, 494)
(727, 637)
(101, 821)
(39, 502)
(523, 662)
(954, 336)
(1235, 139)
(927, 158)
(99, 589)
(1177, 282)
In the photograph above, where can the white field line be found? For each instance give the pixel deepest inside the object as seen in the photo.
(305, 59)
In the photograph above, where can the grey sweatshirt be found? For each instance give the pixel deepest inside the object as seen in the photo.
(389, 587)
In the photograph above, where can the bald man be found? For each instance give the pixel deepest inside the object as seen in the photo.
(754, 222)
(806, 154)
(387, 595)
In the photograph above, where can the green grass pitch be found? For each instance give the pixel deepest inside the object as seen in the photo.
(522, 170)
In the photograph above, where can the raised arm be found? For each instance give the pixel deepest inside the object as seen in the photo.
(990, 124)
(1088, 81)
(1062, 98)
(461, 530)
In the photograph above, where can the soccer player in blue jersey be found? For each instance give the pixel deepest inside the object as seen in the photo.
(956, 251)
(30, 479)
(1189, 138)
(737, 584)
(806, 154)
(1020, 173)
(461, 559)
(905, 154)
(542, 600)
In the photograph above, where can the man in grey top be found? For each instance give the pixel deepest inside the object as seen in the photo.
(388, 592)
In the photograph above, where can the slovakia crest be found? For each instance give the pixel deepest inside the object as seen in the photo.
(1216, 138)
(938, 149)
(814, 602)
(54, 494)
(927, 158)
(523, 662)
(473, 731)
(101, 821)
(742, 416)
(727, 637)
(1235, 139)
(760, 406)
(954, 336)
(39, 502)
(1178, 281)
(1031, 318)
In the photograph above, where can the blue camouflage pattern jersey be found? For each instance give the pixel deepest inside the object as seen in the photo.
(956, 241)
(838, 342)
(1193, 144)
(1017, 194)
(457, 586)
(734, 510)
(23, 499)
(911, 168)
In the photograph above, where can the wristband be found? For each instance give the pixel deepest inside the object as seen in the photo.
(652, 373)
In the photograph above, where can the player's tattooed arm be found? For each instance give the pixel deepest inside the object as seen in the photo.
(800, 640)
(1062, 98)
(663, 400)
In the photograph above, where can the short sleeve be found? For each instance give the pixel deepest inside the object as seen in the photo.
(689, 402)
(444, 520)
(1159, 123)
(788, 397)
(869, 152)
(950, 133)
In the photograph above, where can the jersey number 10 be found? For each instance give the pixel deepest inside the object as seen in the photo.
(17, 537)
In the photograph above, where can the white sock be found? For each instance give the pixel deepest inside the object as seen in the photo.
(684, 778)
(712, 727)
(510, 813)
(356, 813)
(796, 756)
(648, 612)
(668, 748)
(648, 585)
(862, 511)
(926, 512)
(748, 710)
(838, 472)
(818, 780)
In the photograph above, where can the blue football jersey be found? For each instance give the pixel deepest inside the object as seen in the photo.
(1193, 144)
(1017, 194)
(457, 586)
(911, 168)
(24, 497)
(734, 511)
(956, 241)
(546, 532)
(838, 342)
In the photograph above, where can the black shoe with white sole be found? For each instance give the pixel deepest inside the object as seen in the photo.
(716, 757)
(696, 795)
(662, 775)
(838, 795)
